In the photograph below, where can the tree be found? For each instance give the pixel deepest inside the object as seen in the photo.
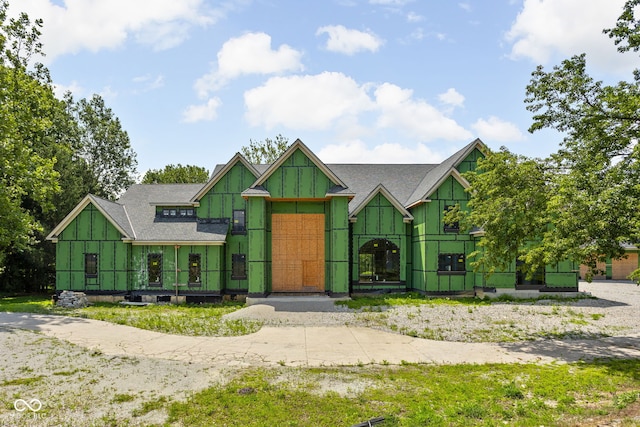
(585, 196)
(45, 148)
(176, 174)
(266, 151)
(104, 146)
(27, 176)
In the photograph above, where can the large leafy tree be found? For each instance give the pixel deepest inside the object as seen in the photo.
(104, 145)
(48, 159)
(27, 174)
(582, 202)
(266, 151)
(176, 174)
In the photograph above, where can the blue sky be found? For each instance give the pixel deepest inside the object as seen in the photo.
(379, 81)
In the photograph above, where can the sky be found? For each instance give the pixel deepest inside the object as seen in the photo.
(358, 81)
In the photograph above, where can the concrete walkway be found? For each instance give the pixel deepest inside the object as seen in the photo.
(310, 346)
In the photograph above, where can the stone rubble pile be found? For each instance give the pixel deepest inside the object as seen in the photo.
(69, 299)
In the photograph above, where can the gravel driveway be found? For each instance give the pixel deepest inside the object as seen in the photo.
(614, 310)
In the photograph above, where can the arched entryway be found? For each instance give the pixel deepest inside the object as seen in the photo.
(379, 261)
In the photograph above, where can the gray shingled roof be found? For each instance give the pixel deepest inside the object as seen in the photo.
(140, 202)
(399, 179)
(116, 212)
(134, 212)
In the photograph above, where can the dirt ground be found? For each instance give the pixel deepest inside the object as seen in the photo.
(45, 381)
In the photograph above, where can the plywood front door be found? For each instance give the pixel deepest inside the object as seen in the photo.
(297, 252)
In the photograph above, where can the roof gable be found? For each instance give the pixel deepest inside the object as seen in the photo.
(238, 158)
(380, 189)
(435, 177)
(298, 145)
(115, 213)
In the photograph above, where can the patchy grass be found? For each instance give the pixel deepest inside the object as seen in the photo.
(195, 320)
(378, 301)
(410, 395)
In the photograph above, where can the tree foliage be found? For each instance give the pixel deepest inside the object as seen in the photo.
(582, 202)
(177, 174)
(52, 153)
(104, 146)
(266, 151)
(26, 173)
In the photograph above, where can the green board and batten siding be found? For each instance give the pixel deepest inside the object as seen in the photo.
(91, 233)
(380, 219)
(429, 240)
(220, 202)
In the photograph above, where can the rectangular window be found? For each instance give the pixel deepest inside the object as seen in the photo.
(451, 226)
(155, 269)
(91, 265)
(178, 213)
(238, 226)
(239, 266)
(194, 270)
(451, 263)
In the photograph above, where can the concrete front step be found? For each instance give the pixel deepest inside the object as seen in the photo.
(301, 303)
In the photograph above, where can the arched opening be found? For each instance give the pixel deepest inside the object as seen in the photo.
(379, 261)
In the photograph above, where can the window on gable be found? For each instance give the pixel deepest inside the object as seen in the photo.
(238, 266)
(178, 213)
(154, 268)
(451, 263)
(451, 226)
(91, 265)
(238, 226)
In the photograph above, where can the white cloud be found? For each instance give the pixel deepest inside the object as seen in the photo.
(149, 82)
(390, 2)
(348, 41)
(202, 112)
(452, 98)
(546, 30)
(250, 53)
(417, 118)
(497, 130)
(465, 6)
(414, 17)
(357, 152)
(74, 87)
(305, 102)
(77, 25)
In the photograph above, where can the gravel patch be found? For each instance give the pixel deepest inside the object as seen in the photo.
(611, 310)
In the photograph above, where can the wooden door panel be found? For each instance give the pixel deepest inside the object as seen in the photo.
(297, 252)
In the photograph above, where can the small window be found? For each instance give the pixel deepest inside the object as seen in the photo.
(155, 269)
(194, 269)
(451, 263)
(239, 266)
(238, 226)
(451, 226)
(91, 265)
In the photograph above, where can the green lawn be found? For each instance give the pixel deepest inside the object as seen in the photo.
(420, 395)
(197, 320)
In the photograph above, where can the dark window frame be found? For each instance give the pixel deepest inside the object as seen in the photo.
(158, 276)
(90, 265)
(452, 263)
(380, 258)
(451, 227)
(185, 212)
(238, 266)
(239, 223)
(195, 271)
